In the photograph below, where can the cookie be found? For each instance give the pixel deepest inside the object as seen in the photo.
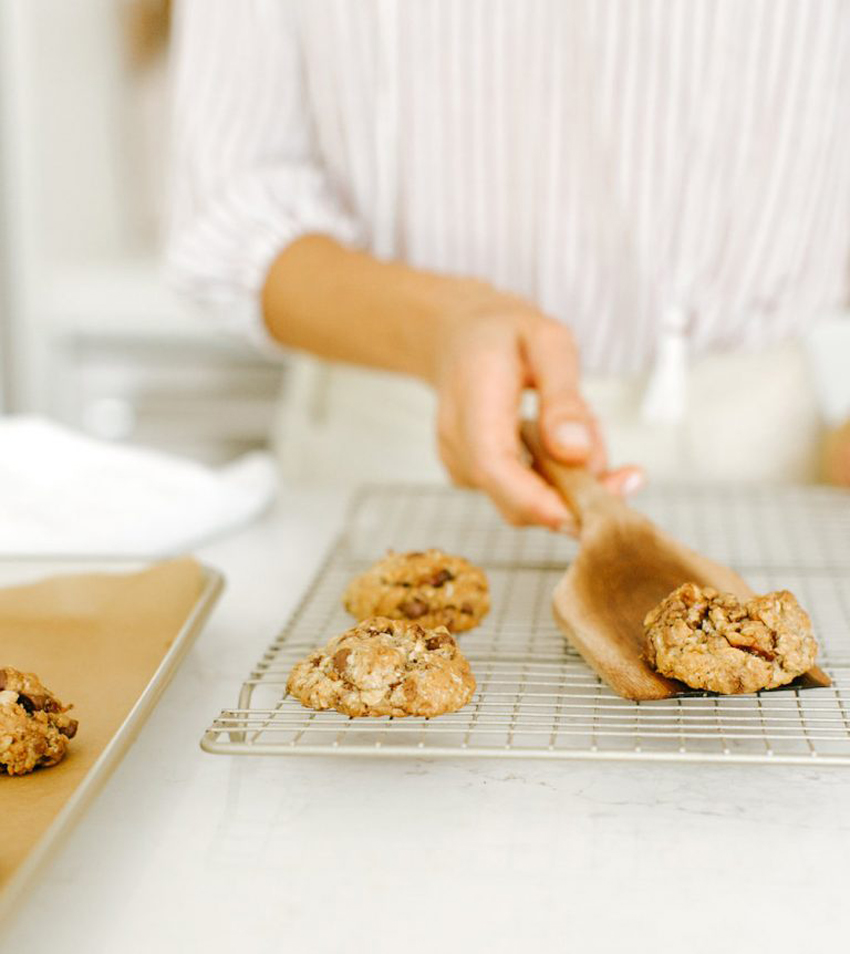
(431, 587)
(34, 730)
(713, 641)
(385, 667)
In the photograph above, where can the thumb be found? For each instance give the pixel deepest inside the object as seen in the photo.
(567, 430)
(566, 424)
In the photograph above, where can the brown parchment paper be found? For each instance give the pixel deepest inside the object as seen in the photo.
(95, 640)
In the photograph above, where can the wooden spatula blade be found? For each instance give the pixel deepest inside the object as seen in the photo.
(625, 566)
(616, 662)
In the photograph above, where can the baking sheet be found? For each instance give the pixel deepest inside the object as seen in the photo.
(107, 641)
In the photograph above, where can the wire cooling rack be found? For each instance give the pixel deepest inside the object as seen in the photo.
(536, 697)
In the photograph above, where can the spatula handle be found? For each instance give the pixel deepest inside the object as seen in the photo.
(583, 493)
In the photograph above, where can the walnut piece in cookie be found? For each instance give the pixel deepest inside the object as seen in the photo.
(431, 587)
(714, 641)
(34, 729)
(385, 667)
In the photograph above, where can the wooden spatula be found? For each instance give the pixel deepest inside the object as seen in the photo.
(624, 567)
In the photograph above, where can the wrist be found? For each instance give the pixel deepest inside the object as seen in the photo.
(462, 315)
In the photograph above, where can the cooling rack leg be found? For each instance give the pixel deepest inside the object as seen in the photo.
(244, 703)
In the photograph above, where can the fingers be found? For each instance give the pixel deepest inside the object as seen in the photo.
(524, 498)
(479, 439)
(624, 481)
(478, 427)
(521, 496)
(569, 430)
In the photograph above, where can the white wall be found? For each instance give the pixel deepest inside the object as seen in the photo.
(72, 83)
(94, 327)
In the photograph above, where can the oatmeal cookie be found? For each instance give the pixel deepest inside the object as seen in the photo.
(385, 667)
(712, 640)
(432, 587)
(34, 729)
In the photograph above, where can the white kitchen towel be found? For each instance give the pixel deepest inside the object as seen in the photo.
(63, 493)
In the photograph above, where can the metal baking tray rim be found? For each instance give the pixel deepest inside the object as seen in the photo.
(111, 756)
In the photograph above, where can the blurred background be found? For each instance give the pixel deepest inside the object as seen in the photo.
(89, 333)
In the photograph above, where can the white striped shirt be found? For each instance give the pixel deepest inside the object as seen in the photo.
(609, 160)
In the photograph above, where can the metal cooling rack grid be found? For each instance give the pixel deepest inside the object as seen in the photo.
(536, 697)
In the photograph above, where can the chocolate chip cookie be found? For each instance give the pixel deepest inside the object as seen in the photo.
(431, 587)
(385, 667)
(713, 641)
(34, 730)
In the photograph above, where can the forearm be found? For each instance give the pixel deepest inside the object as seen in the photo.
(348, 306)
(479, 348)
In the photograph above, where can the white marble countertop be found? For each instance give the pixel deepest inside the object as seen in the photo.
(185, 851)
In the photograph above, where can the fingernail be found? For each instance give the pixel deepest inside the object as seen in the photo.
(632, 483)
(573, 437)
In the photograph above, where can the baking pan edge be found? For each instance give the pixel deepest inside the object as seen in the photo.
(109, 758)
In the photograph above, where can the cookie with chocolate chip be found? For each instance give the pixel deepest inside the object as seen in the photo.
(431, 587)
(714, 641)
(385, 667)
(34, 729)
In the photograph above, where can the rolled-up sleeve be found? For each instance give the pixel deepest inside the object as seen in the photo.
(245, 178)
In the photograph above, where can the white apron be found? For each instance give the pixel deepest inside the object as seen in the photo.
(746, 417)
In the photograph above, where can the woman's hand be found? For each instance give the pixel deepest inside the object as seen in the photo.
(478, 347)
(493, 346)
